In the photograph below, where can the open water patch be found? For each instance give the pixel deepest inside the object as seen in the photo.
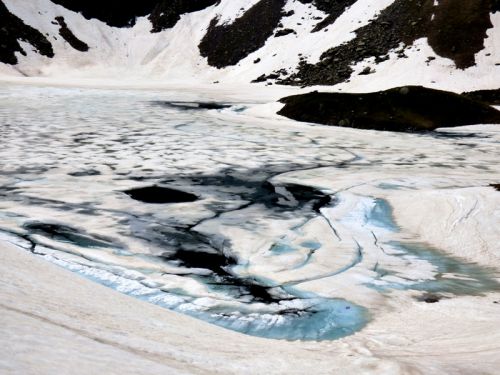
(453, 275)
(67, 234)
(192, 106)
(160, 195)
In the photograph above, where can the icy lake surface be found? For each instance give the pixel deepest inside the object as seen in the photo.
(286, 230)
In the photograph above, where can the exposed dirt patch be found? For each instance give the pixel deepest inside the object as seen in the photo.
(454, 29)
(69, 37)
(13, 29)
(404, 109)
(225, 45)
(160, 195)
(491, 97)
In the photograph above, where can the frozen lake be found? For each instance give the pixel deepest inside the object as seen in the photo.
(287, 230)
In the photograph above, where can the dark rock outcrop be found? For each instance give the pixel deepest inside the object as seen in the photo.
(454, 29)
(69, 37)
(225, 45)
(116, 13)
(283, 32)
(12, 30)
(404, 109)
(491, 97)
(334, 9)
(166, 13)
(429, 298)
(163, 14)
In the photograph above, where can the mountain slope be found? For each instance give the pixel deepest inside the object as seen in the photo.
(14, 30)
(362, 45)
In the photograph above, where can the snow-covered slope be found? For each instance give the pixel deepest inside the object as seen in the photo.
(297, 41)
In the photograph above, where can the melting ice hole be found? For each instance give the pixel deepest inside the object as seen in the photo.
(160, 195)
(192, 105)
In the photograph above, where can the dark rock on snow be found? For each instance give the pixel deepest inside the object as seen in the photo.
(166, 13)
(284, 32)
(115, 13)
(69, 37)
(12, 30)
(334, 9)
(491, 97)
(163, 14)
(454, 29)
(406, 109)
(225, 45)
(366, 71)
(429, 298)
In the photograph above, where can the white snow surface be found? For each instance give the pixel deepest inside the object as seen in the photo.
(93, 329)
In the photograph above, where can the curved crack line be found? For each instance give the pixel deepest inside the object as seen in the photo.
(357, 259)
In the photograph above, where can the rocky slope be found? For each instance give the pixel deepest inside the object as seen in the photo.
(359, 44)
(406, 108)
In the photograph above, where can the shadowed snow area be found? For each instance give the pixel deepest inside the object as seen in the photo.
(242, 218)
